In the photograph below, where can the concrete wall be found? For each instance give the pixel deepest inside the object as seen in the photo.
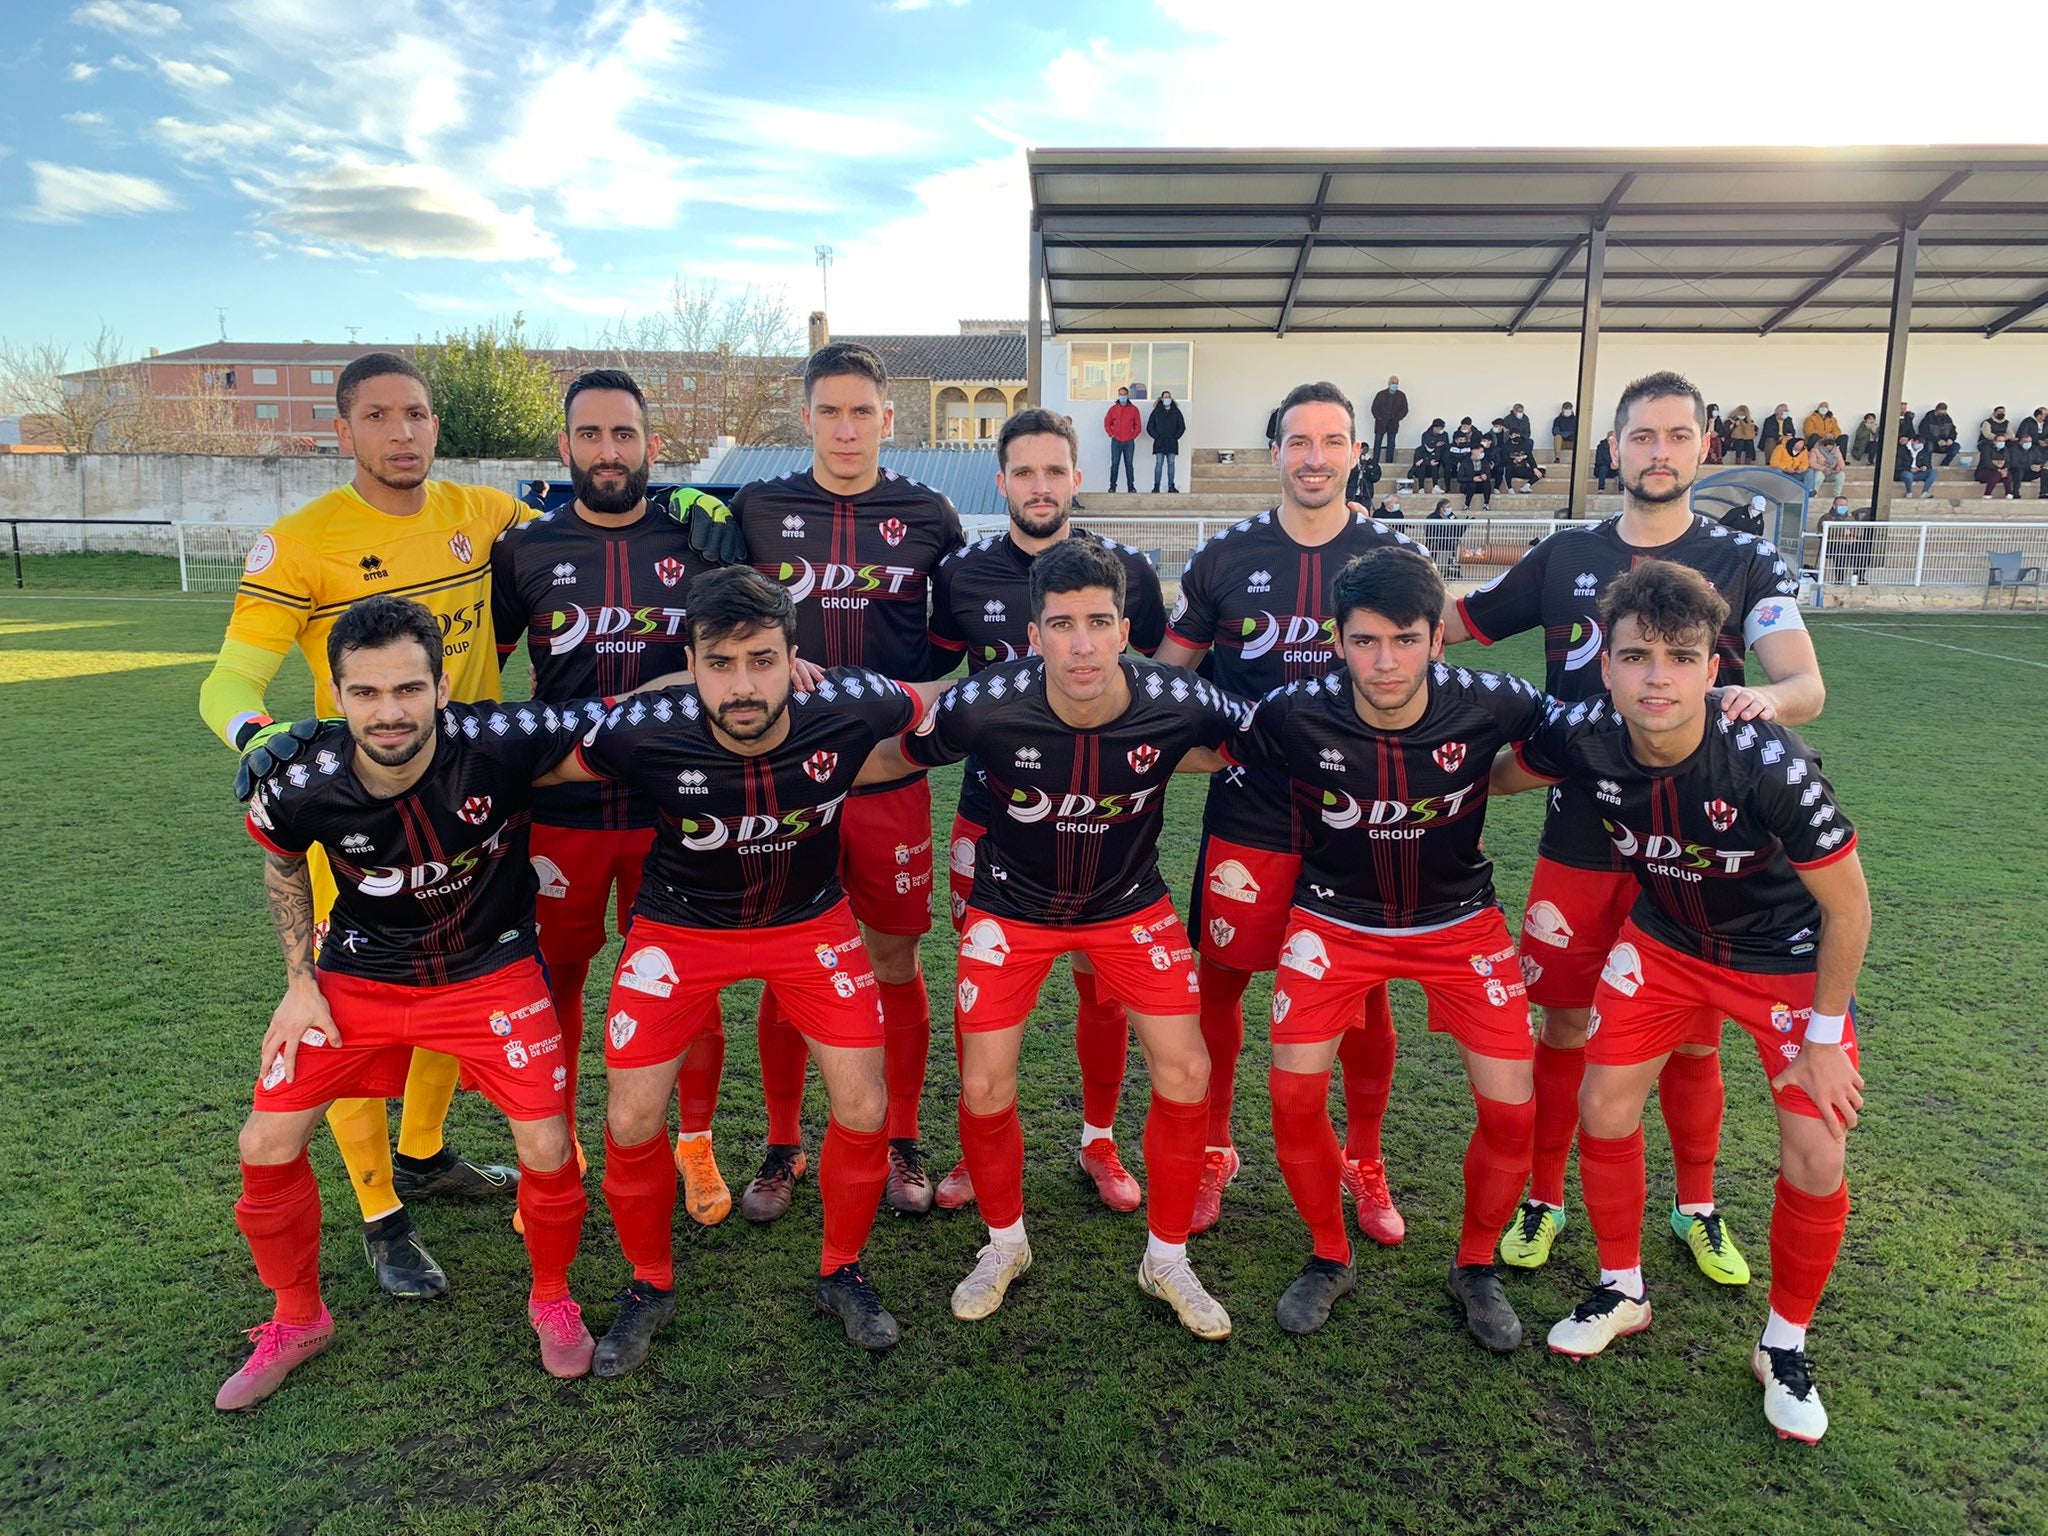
(1237, 380)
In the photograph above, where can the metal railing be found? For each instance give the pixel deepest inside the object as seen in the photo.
(1903, 556)
(83, 537)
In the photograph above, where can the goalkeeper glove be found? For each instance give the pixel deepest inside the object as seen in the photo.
(268, 748)
(714, 531)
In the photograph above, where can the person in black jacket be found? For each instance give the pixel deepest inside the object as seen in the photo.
(1520, 433)
(1522, 466)
(1604, 467)
(1440, 535)
(1913, 460)
(1458, 456)
(1389, 410)
(1564, 431)
(1777, 427)
(1427, 470)
(1497, 453)
(1365, 474)
(1478, 474)
(1166, 426)
(1938, 431)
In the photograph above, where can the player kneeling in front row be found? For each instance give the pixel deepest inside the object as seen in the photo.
(1753, 907)
(749, 780)
(1069, 863)
(1389, 759)
(422, 808)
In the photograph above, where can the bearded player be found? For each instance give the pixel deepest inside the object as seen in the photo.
(1751, 905)
(1256, 600)
(856, 546)
(981, 604)
(1581, 891)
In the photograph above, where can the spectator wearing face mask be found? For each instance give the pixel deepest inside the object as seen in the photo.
(1991, 430)
(1994, 471)
(1121, 422)
(1523, 468)
(1777, 428)
(1863, 446)
(1790, 455)
(1166, 426)
(1390, 510)
(1564, 431)
(1742, 430)
(1478, 474)
(1520, 433)
(1913, 462)
(1820, 424)
(1389, 410)
(1825, 466)
(1365, 474)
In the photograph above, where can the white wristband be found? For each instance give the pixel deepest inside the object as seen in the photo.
(1825, 1028)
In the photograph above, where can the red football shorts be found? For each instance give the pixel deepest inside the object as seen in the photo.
(1144, 961)
(578, 868)
(1653, 998)
(500, 1027)
(666, 987)
(960, 865)
(1570, 924)
(1241, 902)
(1467, 972)
(885, 857)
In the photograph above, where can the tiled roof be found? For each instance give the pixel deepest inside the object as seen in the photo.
(974, 358)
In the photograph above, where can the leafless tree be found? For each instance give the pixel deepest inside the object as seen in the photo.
(81, 410)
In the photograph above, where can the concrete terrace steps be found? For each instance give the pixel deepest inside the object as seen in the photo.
(1965, 506)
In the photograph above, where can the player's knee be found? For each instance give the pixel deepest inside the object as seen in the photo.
(267, 1140)
(543, 1145)
(1608, 1110)
(1182, 1078)
(1690, 1049)
(1812, 1163)
(987, 1089)
(860, 1105)
(894, 958)
(1564, 1029)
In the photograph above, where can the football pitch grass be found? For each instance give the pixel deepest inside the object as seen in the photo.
(139, 971)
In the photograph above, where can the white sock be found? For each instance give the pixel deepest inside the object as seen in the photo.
(1697, 1208)
(1163, 1253)
(1011, 1236)
(1215, 1149)
(1779, 1334)
(691, 1135)
(1092, 1133)
(1546, 1205)
(1627, 1281)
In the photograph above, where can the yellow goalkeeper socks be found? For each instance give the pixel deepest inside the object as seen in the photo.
(429, 1090)
(363, 1133)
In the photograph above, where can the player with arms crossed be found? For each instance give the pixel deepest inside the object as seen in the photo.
(981, 603)
(751, 781)
(1069, 863)
(389, 532)
(1256, 599)
(423, 807)
(1581, 890)
(1752, 906)
(856, 546)
(1389, 760)
(597, 591)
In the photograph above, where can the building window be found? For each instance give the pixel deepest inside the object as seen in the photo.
(266, 413)
(686, 382)
(1096, 370)
(320, 412)
(321, 376)
(263, 375)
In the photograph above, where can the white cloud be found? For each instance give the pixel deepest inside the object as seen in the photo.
(779, 125)
(81, 71)
(67, 193)
(761, 243)
(126, 65)
(209, 141)
(1078, 78)
(193, 77)
(959, 253)
(134, 17)
(83, 119)
(407, 210)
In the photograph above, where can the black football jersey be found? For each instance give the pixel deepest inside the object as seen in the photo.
(981, 604)
(1260, 604)
(601, 611)
(1073, 835)
(432, 886)
(858, 567)
(1716, 842)
(1393, 819)
(746, 842)
(1558, 586)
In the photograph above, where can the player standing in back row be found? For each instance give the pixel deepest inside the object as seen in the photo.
(856, 546)
(1582, 891)
(1259, 594)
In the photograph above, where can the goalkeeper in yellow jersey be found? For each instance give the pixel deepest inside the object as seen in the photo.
(389, 532)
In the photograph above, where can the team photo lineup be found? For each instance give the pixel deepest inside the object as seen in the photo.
(724, 759)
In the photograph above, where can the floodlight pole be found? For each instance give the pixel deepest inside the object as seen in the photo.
(1034, 321)
(1894, 370)
(1581, 499)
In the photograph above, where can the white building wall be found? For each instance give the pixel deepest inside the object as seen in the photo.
(1237, 380)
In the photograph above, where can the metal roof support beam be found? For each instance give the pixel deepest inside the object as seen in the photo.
(1308, 246)
(1903, 273)
(2014, 316)
(1034, 320)
(1825, 281)
(1564, 259)
(1581, 501)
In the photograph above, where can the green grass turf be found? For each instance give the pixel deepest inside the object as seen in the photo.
(138, 970)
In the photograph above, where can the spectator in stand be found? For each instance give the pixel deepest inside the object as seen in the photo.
(2034, 426)
(1994, 471)
(1495, 450)
(1716, 446)
(1837, 541)
(1365, 474)
(1427, 471)
(1863, 447)
(1604, 468)
(1825, 465)
(1458, 456)
(1478, 479)
(1742, 436)
(1938, 431)
(1121, 422)
(1991, 430)
(1390, 509)
(1776, 429)
(1166, 426)
(1440, 536)
(1820, 425)
(1522, 466)
(1748, 519)
(1273, 428)
(1521, 434)
(1914, 460)
(1564, 431)
(2029, 456)
(1389, 410)
(1436, 438)
(1790, 455)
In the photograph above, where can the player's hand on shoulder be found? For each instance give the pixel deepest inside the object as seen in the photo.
(301, 1019)
(270, 747)
(805, 674)
(1740, 703)
(714, 531)
(1831, 1080)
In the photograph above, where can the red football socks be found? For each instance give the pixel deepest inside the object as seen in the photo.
(1806, 1237)
(1611, 1169)
(783, 1057)
(851, 1172)
(994, 1148)
(1367, 1055)
(1102, 1043)
(697, 1078)
(551, 1208)
(1689, 1089)
(1223, 1033)
(279, 1213)
(1173, 1166)
(1305, 1146)
(1558, 1076)
(640, 1192)
(1496, 1172)
(906, 1044)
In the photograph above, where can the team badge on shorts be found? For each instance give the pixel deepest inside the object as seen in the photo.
(561, 1078)
(970, 994)
(828, 957)
(515, 1054)
(819, 765)
(1281, 1003)
(501, 1023)
(843, 984)
(1221, 933)
(1781, 1018)
(1161, 957)
(276, 1073)
(620, 1029)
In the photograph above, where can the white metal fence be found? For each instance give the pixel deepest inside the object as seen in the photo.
(210, 555)
(1917, 555)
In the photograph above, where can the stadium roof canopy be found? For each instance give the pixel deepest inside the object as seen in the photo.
(1739, 241)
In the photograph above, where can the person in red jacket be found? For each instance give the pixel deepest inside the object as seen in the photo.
(1122, 424)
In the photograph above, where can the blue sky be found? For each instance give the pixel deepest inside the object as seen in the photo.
(410, 166)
